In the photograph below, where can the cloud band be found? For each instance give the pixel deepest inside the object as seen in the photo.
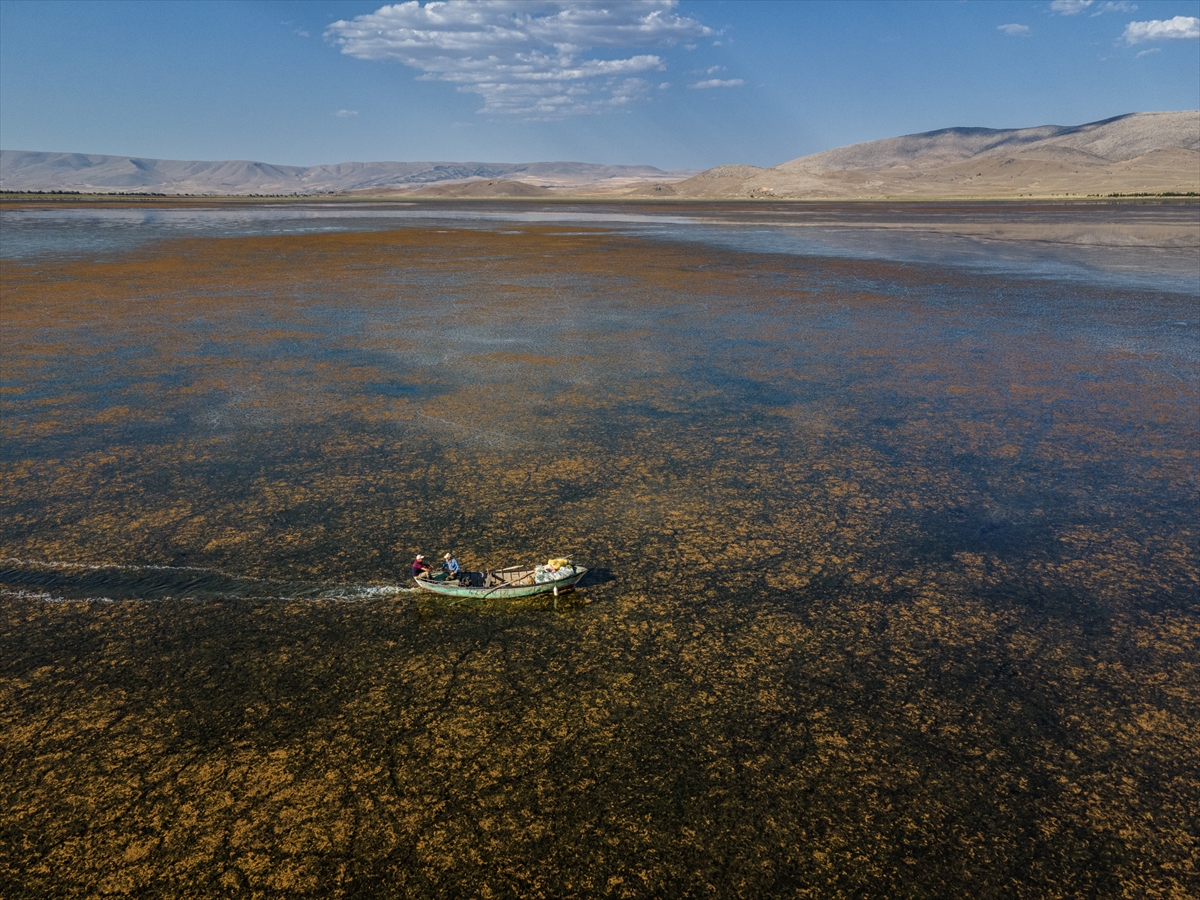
(524, 58)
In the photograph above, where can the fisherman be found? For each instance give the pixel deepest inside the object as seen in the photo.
(450, 565)
(419, 568)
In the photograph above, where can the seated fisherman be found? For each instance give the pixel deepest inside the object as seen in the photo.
(419, 567)
(450, 565)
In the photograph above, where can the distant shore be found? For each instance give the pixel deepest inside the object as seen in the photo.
(68, 197)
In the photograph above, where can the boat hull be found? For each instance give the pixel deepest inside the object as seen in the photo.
(500, 591)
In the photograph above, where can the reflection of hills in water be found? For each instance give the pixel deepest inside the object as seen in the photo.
(901, 570)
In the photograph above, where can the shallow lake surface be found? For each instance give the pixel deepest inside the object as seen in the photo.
(894, 583)
(898, 232)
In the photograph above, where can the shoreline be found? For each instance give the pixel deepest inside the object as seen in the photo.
(56, 198)
(1142, 223)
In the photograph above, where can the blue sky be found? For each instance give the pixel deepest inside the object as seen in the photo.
(677, 85)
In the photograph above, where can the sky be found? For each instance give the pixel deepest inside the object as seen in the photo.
(678, 85)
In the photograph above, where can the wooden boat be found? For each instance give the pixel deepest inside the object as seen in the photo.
(503, 584)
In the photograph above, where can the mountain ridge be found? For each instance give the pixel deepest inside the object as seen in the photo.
(1149, 153)
(1157, 152)
(31, 170)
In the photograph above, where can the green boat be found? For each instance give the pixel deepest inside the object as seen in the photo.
(503, 584)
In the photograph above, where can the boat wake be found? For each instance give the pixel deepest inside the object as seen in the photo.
(110, 583)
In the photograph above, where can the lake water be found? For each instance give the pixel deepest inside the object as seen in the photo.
(893, 537)
(832, 230)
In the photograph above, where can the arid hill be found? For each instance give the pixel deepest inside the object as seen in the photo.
(22, 170)
(1139, 153)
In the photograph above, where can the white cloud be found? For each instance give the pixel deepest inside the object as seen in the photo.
(523, 58)
(1074, 7)
(1015, 30)
(346, 113)
(1180, 28)
(1148, 52)
(717, 83)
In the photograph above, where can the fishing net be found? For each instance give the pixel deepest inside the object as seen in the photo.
(546, 574)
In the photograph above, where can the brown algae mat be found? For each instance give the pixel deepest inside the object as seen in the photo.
(895, 588)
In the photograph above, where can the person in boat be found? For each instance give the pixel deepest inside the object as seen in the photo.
(450, 565)
(419, 567)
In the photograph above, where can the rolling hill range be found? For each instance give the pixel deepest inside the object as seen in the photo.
(1139, 153)
(1136, 153)
(22, 170)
